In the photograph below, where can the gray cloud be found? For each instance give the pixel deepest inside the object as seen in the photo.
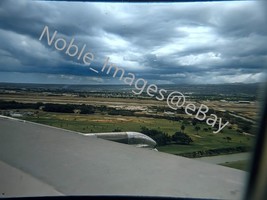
(163, 43)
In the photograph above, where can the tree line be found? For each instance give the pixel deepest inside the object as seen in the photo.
(163, 139)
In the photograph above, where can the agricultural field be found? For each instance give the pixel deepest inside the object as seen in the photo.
(88, 109)
(202, 140)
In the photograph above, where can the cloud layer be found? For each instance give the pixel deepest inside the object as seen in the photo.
(221, 42)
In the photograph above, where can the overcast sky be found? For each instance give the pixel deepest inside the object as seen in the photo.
(199, 43)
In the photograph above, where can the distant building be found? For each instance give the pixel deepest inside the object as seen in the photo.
(244, 102)
(77, 111)
(169, 113)
(16, 115)
(29, 113)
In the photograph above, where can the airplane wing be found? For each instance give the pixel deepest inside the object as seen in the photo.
(39, 160)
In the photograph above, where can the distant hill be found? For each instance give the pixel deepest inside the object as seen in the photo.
(207, 89)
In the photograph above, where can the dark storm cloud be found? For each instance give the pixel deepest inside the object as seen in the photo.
(165, 43)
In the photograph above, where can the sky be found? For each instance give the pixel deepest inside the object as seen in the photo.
(166, 43)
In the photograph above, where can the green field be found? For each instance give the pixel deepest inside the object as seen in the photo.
(103, 123)
(241, 164)
(202, 141)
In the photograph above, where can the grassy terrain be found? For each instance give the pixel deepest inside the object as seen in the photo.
(101, 123)
(203, 140)
(241, 164)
